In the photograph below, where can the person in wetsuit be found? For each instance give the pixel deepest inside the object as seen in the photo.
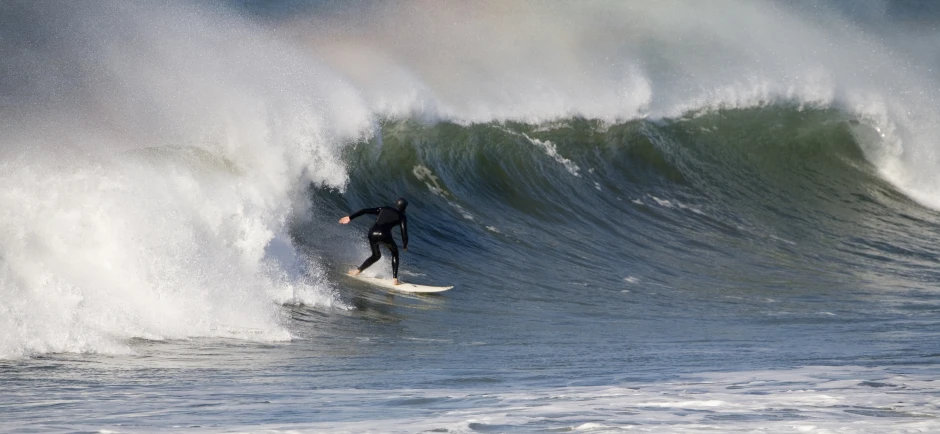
(381, 233)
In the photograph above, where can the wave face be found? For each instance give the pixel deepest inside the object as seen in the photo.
(779, 195)
(157, 160)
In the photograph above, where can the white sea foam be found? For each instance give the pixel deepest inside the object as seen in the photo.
(152, 197)
(552, 151)
(812, 399)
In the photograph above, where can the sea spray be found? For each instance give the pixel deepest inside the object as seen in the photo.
(149, 195)
(535, 63)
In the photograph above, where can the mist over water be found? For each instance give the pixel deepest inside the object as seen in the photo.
(532, 62)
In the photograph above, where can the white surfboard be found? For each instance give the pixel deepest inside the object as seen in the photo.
(403, 287)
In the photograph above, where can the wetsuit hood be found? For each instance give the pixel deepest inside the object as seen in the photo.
(401, 204)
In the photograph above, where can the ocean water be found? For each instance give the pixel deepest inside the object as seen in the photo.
(671, 216)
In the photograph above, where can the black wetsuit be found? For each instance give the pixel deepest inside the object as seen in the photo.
(381, 233)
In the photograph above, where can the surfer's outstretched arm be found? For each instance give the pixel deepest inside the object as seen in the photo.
(346, 219)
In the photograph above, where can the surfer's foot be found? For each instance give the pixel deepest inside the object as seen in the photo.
(395, 282)
(354, 272)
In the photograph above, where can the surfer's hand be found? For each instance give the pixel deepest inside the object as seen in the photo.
(344, 220)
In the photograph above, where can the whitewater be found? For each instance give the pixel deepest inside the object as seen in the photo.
(658, 216)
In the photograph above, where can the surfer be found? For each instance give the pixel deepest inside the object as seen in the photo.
(381, 233)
